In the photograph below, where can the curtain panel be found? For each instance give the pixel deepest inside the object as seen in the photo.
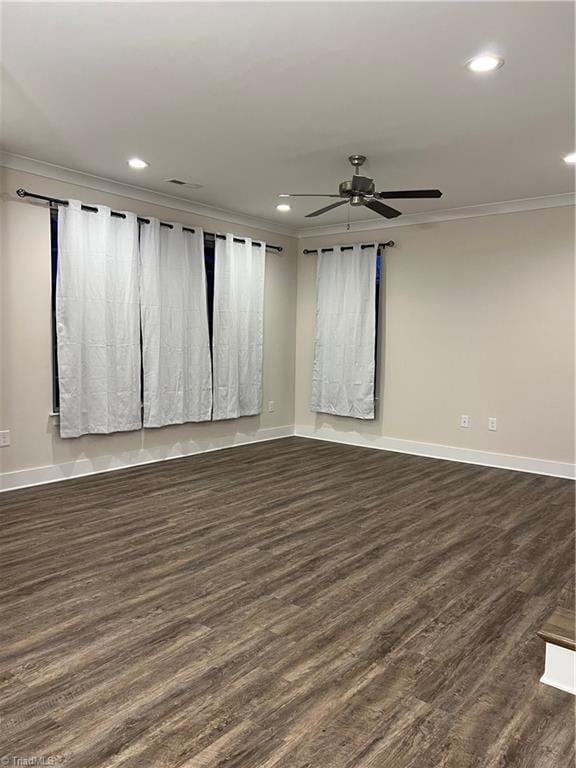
(238, 327)
(132, 310)
(98, 321)
(175, 342)
(344, 344)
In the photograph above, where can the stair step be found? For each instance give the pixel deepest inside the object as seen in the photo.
(560, 663)
(559, 629)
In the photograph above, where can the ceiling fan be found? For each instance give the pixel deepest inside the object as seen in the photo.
(360, 190)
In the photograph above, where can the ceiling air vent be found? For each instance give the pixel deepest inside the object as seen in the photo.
(180, 183)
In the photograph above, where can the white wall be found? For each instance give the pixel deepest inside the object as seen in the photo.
(26, 384)
(478, 318)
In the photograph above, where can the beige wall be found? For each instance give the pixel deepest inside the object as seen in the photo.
(26, 345)
(478, 318)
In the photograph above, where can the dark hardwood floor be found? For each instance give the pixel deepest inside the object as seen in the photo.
(292, 604)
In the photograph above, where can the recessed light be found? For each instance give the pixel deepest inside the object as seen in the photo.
(283, 207)
(570, 158)
(137, 163)
(486, 62)
(283, 194)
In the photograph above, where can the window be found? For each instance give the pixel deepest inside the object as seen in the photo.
(54, 272)
(209, 252)
(377, 333)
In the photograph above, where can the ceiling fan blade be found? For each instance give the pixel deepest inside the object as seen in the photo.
(328, 208)
(305, 194)
(382, 209)
(407, 193)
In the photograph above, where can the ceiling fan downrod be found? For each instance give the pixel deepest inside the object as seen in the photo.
(357, 161)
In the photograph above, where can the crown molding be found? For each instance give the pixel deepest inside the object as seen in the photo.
(109, 186)
(448, 214)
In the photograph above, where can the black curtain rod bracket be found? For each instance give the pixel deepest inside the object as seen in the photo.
(388, 244)
(56, 201)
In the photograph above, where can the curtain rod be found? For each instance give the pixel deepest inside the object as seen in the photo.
(388, 244)
(92, 209)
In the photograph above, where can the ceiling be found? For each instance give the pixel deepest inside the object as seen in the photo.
(253, 99)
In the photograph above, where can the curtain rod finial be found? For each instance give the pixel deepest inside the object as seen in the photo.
(21, 192)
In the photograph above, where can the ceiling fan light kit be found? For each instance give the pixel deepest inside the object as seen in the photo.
(360, 190)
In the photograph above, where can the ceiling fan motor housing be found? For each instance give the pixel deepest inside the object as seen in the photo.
(362, 185)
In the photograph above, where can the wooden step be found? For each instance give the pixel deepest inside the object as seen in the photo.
(560, 666)
(559, 629)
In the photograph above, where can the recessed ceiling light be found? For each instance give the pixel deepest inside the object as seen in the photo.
(486, 62)
(283, 207)
(137, 163)
(283, 194)
(570, 158)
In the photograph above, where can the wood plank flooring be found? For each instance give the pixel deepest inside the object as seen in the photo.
(291, 604)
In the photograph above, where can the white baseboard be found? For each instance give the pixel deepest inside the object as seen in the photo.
(556, 684)
(560, 668)
(446, 452)
(55, 473)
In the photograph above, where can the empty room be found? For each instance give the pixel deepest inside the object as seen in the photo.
(287, 394)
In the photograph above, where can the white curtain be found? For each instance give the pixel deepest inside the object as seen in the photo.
(97, 321)
(175, 341)
(238, 327)
(344, 354)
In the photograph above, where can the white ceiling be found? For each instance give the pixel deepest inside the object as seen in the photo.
(253, 99)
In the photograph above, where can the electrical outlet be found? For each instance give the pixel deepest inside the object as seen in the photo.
(464, 421)
(4, 438)
(492, 424)
(271, 406)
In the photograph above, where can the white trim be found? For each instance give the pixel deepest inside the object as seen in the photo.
(54, 473)
(445, 452)
(555, 684)
(560, 668)
(559, 686)
(447, 214)
(111, 187)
